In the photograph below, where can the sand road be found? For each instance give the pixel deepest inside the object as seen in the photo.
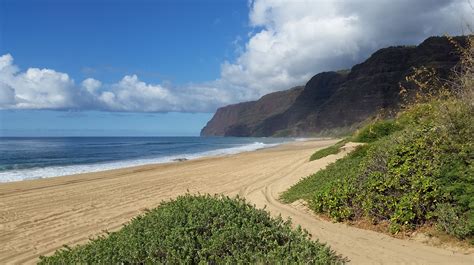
(37, 217)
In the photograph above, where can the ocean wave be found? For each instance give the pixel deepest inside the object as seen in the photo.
(56, 171)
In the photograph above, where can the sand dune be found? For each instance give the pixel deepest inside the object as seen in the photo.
(37, 217)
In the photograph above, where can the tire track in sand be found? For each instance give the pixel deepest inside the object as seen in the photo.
(37, 217)
(360, 246)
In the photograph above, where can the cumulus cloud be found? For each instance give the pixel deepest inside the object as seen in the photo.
(91, 85)
(7, 95)
(131, 94)
(289, 42)
(48, 89)
(34, 88)
(294, 40)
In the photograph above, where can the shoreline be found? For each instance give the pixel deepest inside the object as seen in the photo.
(75, 169)
(39, 216)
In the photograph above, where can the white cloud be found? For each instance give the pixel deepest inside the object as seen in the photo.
(289, 42)
(91, 85)
(7, 95)
(296, 39)
(47, 89)
(131, 94)
(34, 88)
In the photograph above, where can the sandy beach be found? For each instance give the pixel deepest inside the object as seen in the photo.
(39, 216)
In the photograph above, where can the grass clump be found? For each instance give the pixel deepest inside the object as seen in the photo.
(201, 229)
(331, 150)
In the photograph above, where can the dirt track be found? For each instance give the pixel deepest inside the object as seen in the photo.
(38, 217)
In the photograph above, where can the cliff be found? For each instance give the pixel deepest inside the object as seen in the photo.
(241, 119)
(331, 100)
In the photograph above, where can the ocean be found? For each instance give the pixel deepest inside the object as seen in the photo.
(32, 158)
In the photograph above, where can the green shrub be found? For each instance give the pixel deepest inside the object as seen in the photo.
(324, 178)
(415, 169)
(451, 220)
(331, 150)
(399, 179)
(201, 229)
(335, 200)
(457, 167)
(376, 130)
(417, 114)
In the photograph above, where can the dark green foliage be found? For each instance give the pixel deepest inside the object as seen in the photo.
(331, 150)
(452, 220)
(420, 172)
(335, 195)
(201, 229)
(399, 179)
(376, 130)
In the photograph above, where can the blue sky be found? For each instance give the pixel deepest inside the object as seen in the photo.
(43, 123)
(178, 41)
(128, 67)
(161, 41)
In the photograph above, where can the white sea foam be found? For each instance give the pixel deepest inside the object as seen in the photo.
(56, 171)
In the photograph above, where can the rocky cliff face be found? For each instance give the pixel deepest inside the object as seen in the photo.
(335, 99)
(241, 119)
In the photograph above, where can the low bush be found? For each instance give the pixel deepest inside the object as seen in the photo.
(399, 179)
(453, 220)
(376, 130)
(415, 170)
(324, 178)
(201, 229)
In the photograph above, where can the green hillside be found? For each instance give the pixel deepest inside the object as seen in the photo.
(413, 170)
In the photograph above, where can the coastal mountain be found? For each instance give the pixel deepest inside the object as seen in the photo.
(237, 119)
(336, 100)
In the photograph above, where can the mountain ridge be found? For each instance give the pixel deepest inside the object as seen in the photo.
(332, 100)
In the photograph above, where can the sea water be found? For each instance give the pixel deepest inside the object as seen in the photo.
(32, 158)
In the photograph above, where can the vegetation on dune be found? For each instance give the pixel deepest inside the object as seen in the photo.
(422, 173)
(331, 150)
(333, 173)
(376, 130)
(201, 229)
(414, 170)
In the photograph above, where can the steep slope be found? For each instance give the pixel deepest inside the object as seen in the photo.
(241, 119)
(336, 99)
